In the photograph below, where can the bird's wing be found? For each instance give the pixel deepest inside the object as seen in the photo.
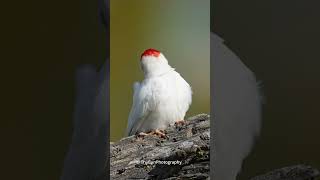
(140, 109)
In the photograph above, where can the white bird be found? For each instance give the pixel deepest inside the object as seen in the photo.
(162, 98)
(236, 111)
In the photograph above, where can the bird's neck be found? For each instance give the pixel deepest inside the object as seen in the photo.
(156, 72)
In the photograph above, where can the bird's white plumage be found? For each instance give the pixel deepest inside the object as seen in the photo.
(162, 98)
(236, 110)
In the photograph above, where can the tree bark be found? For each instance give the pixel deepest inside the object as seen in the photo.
(184, 154)
(297, 172)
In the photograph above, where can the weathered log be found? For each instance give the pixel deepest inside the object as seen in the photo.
(297, 172)
(184, 153)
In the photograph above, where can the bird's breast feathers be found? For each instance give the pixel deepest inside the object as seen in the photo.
(159, 101)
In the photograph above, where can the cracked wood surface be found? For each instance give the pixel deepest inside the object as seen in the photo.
(187, 149)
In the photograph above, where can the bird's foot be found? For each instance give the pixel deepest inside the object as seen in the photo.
(142, 135)
(157, 132)
(180, 123)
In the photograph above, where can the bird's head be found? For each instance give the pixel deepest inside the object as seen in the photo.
(153, 63)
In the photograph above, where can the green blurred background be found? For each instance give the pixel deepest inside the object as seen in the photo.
(179, 29)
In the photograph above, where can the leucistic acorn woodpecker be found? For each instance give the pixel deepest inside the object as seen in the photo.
(161, 99)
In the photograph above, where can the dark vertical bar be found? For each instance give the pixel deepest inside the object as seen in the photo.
(104, 79)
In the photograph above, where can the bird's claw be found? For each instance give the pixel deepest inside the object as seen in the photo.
(180, 123)
(157, 132)
(142, 135)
